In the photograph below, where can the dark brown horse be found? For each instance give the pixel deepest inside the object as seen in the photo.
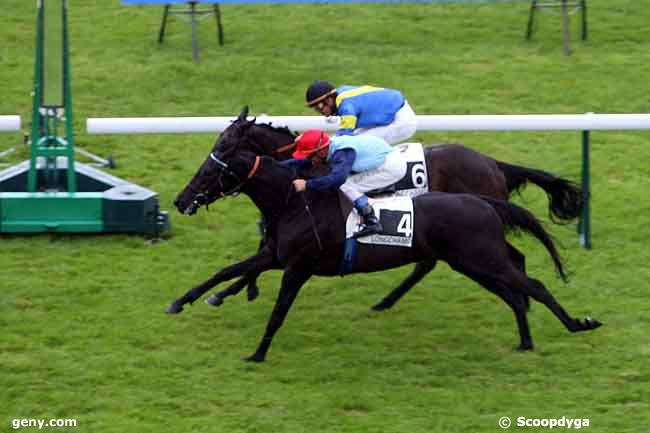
(305, 237)
(450, 167)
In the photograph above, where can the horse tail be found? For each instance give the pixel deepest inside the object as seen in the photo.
(516, 218)
(566, 198)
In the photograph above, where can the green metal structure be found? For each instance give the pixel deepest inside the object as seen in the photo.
(584, 226)
(52, 103)
(51, 192)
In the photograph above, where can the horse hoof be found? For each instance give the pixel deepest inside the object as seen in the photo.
(524, 348)
(380, 307)
(174, 309)
(214, 300)
(592, 323)
(254, 358)
(253, 293)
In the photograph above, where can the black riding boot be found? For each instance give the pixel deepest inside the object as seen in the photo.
(371, 224)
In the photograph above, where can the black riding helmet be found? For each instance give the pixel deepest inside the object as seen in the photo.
(319, 90)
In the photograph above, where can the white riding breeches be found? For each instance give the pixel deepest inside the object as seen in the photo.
(392, 170)
(401, 129)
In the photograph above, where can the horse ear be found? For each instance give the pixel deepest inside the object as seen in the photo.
(244, 113)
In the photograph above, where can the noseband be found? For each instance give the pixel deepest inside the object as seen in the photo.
(224, 168)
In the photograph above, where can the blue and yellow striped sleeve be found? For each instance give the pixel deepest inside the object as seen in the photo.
(348, 120)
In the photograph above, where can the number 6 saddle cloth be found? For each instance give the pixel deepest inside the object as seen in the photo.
(416, 179)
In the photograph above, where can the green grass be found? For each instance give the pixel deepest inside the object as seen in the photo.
(83, 330)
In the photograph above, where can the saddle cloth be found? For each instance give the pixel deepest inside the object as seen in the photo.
(416, 179)
(396, 216)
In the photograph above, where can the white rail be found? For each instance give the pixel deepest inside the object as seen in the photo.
(499, 122)
(9, 123)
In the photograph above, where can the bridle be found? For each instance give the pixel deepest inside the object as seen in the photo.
(223, 166)
(201, 195)
(286, 147)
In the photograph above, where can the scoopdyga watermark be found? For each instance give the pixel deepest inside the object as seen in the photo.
(549, 423)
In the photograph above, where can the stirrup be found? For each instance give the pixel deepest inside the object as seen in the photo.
(368, 231)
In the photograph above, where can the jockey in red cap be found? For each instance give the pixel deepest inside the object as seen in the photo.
(358, 163)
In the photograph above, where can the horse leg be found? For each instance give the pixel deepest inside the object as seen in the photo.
(218, 298)
(518, 282)
(421, 269)
(519, 305)
(506, 278)
(249, 278)
(513, 283)
(223, 275)
(537, 291)
(252, 291)
(492, 282)
(519, 260)
(292, 281)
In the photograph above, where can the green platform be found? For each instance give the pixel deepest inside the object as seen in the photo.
(103, 203)
(20, 212)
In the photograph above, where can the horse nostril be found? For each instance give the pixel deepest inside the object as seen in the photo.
(190, 210)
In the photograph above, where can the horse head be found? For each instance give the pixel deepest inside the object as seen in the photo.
(214, 179)
(195, 193)
(226, 173)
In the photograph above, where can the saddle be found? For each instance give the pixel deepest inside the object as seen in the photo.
(415, 181)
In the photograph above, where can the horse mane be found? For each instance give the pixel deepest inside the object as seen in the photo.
(280, 129)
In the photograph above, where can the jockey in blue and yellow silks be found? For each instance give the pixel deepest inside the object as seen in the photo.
(370, 110)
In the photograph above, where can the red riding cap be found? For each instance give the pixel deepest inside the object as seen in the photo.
(309, 142)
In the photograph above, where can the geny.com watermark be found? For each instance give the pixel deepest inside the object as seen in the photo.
(41, 423)
(550, 423)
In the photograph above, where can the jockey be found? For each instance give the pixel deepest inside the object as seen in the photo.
(370, 110)
(358, 163)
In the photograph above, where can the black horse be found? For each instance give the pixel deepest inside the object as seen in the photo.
(306, 237)
(450, 167)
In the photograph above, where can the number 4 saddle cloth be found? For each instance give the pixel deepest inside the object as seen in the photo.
(396, 216)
